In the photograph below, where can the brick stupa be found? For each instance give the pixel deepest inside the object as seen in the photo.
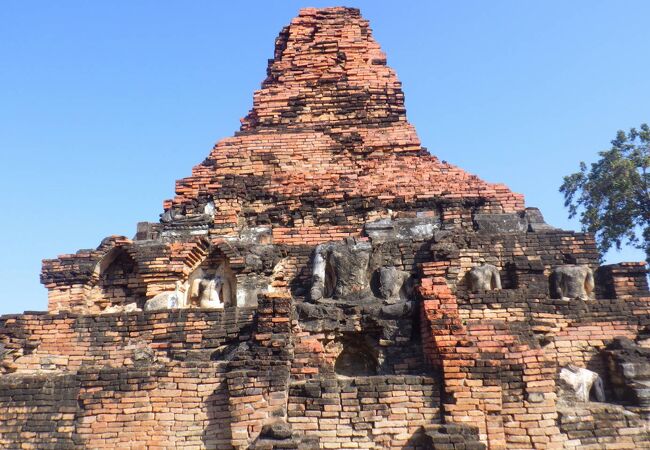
(322, 281)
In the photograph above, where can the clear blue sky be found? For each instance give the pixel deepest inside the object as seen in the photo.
(104, 104)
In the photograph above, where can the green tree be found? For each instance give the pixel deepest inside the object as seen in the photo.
(612, 197)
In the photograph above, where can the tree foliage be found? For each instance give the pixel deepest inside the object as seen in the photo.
(612, 197)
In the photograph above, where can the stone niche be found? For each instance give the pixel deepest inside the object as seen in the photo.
(212, 284)
(572, 281)
(356, 358)
(362, 308)
(484, 277)
(116, 281)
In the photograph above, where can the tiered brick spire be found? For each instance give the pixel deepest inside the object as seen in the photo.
(327, 73)
(327, 141)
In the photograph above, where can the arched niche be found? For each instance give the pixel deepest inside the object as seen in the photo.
(357, 359)
(212, 284)
(117, 281)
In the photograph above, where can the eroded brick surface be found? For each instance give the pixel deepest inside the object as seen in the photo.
(307, 287)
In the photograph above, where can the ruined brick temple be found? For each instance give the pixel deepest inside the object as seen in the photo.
(321, 281)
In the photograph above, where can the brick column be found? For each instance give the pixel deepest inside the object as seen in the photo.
(258, 382)
(491, 379)
(623, 280)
